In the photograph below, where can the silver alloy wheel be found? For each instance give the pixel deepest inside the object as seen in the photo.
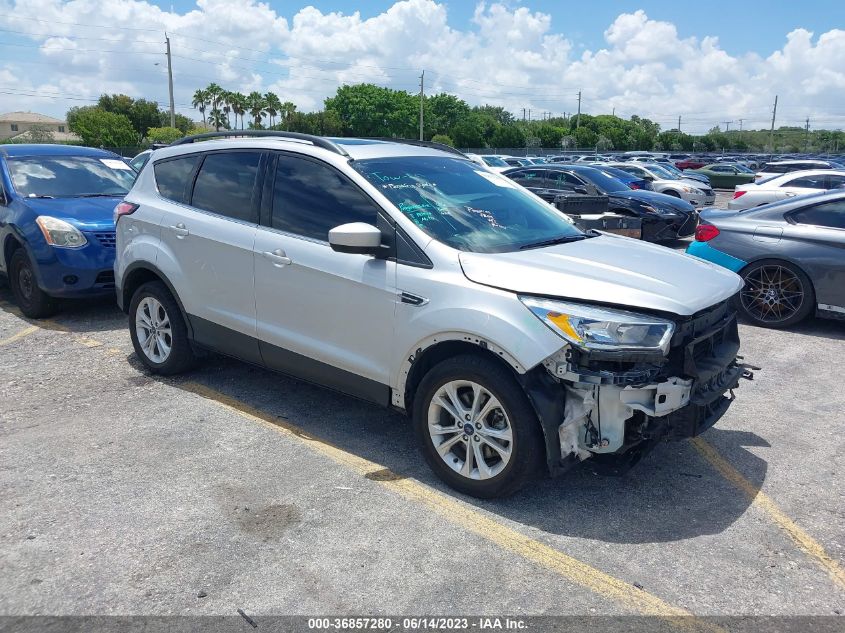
(152, 325)
(470, 429)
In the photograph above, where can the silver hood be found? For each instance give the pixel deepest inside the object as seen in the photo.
(608, 269)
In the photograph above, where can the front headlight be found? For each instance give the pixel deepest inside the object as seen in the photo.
(693, 190)
(601, 329)
(60, 233)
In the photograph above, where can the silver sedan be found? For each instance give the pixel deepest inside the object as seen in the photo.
(696, 193)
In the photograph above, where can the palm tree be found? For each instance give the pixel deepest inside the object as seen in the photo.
(272, 105)
(287, 111)
(226, 105)
(200, 101)
(256, 107)
(217, 119)
(215, 94)
(239, 105)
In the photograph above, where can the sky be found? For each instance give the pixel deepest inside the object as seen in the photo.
(711, 64)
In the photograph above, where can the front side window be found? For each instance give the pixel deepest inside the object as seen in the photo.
(70, 176)
(310, 199)
(828, 214)
(465, 207)
(494, 161)
(528, 178)
(173, 176)
(834, 181)
(225, 185)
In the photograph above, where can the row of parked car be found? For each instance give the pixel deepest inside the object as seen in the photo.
(413, 278)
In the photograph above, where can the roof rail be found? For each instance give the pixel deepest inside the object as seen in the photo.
(317, 141)
(408, 141)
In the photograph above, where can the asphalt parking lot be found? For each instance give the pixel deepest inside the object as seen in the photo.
(234, 488)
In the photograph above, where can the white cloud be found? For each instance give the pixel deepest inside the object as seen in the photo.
(514, 57)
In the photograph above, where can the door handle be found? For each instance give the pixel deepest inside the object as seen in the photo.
(789, 194)
(278, 257)
(180, 230)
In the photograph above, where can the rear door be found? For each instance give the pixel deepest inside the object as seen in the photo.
(207, 250)
(821, 228)
(323, 316)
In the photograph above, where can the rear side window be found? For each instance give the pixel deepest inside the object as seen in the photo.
(225, 185)
(776, 169)
(829, 214)
(173, 177)
(310, 198)
(807, 182)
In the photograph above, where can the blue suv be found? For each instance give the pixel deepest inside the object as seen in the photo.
(56, 222)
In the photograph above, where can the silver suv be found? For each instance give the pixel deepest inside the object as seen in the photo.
(409, 276)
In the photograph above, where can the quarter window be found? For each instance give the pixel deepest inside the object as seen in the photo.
(225, 184)
(310, 199)
(173, 176)
(829, 214)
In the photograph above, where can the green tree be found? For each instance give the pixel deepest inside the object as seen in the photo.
(163, 134)
(508, 136)
(442, 138)
(99, 128)
(215, 98)
(468, 132)
(40, 134)
(369, 110)
(442, 112)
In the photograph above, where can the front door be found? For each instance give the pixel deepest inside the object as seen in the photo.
(323, 316)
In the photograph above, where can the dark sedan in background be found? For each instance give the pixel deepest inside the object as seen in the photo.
(791, 255)
(663, 217)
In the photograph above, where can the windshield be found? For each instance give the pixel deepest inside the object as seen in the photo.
(658, 170)
(70, 176)
(493, 161)
(465, 207)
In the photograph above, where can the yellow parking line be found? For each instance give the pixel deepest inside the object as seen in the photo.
(760, 499)
(19, 335)
(509, 539)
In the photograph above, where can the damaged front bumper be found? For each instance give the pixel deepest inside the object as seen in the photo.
(616, 408)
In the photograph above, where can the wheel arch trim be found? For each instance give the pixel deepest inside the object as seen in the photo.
(123, 298)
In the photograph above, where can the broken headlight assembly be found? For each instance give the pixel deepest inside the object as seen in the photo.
(601, 329)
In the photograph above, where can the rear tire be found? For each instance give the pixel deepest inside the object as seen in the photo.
(158, 331)
(776, 294)
(33, 302)
(495, 427)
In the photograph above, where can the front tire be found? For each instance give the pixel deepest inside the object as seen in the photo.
(33, 302)
(158, 331)
(776, 294)
(476, 428)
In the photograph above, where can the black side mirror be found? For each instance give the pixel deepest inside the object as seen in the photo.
(648, 178)
(581, 190)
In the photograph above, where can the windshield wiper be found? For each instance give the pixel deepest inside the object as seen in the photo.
(563, 239)
(100, 195)
(40, 195)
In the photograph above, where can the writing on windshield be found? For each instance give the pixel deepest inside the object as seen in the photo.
(462, 205)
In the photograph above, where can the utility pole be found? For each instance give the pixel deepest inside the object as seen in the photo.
(529, 115)
(727, 126)
(740, 129)
(679, 123)
(170, 83)
(523, 115)
(578, 120)
(807, 134)
(772, 132)
(422, 99)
